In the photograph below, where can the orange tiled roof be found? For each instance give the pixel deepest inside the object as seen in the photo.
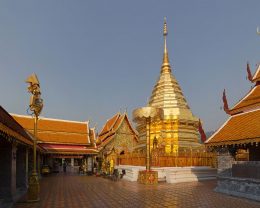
(238, 129)
(249, 102)
(57, 131)
(9, 126)
(106, 137)
(68, 149)
(109, 124)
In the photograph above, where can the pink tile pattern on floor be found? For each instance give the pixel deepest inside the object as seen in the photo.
(69, 191)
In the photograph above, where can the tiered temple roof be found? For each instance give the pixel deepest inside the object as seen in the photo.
(110, 128)
(243, 126)
(250, 102)
(238, 129)
(61, 136)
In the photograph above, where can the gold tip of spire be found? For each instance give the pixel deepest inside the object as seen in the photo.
(165, 63)
(165, 31)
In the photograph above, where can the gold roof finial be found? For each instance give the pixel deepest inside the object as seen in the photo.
(165, 64)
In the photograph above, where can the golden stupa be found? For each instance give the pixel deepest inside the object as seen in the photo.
(177, 128)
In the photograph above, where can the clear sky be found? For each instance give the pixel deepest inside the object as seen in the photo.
(95, 58)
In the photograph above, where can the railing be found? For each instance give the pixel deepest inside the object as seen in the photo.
(180, 159)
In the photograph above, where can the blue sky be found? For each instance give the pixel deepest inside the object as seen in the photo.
(95, 58)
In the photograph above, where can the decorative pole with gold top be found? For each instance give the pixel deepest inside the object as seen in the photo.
(36, 105)
(148, 143)
(147, 114)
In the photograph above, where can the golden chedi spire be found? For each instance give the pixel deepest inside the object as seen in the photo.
(177, 115)
(167, 93)
(177, 127)
(165, 64)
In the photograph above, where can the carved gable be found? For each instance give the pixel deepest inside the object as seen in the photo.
(124, 139)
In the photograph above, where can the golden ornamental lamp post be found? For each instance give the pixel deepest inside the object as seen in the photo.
(147, 114)
(36, 105)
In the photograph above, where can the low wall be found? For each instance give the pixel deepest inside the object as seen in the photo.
(246, 169)
(241, 187)
(225, 162)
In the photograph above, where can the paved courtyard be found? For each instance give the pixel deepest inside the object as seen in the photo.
(90, 191)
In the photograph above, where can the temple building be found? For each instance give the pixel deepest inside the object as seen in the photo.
(237, 142)
(242, 130)
(63, 141)
(177, 128)
(117, 137)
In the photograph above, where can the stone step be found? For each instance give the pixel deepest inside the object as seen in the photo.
(172, 174)
(191, 179)
(190, 174)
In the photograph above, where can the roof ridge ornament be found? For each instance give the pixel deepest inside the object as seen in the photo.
(249, 74)
(225, 103)
(253, 78)
(256, 76)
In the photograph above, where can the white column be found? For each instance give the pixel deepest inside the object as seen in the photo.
(89, 163)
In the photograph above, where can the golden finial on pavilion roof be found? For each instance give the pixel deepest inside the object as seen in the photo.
(165, 64)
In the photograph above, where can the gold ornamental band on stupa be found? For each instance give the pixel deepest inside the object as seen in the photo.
(177, 128)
